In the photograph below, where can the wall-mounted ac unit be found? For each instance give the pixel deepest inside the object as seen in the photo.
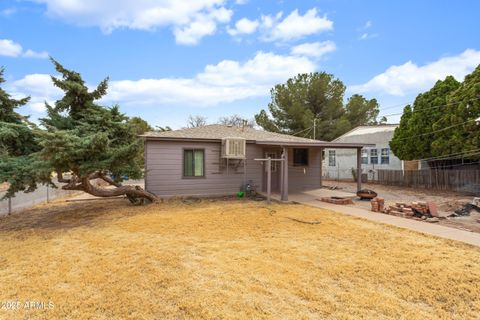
(233, 148)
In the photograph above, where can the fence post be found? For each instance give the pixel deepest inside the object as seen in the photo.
(48, 195)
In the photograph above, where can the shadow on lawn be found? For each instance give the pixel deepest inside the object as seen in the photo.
(65, 215)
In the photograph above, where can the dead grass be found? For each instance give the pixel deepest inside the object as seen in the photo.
(227, 260)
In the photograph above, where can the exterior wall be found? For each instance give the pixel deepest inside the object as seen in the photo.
(304, 178)
(164, 170)
(346, 159)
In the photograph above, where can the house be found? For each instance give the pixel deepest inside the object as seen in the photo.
(220, 160)
(338, 163)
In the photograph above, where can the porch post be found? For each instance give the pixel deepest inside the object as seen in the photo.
(281, 176)
(359, 169)
(285, 175)
(321, 166)
(269, 179)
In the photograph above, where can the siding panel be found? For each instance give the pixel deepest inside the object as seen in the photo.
(165, 165)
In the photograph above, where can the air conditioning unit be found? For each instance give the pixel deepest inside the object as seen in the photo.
(233, 148)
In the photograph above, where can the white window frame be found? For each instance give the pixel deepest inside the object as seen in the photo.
(373, 155)
(385, 156)
(364, 156)
(332, 156)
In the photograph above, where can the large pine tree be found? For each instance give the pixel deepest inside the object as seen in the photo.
(83, 141)
(319, 96)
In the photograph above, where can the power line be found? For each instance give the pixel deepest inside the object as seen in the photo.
(435, 131)
(294, 134)
(429, 108)
(454, 155)
(453, 165)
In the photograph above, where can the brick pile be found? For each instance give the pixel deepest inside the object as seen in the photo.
(415, 210)
(378, 204)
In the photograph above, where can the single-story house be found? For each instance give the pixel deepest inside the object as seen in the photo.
(338, 163)
(217, 160)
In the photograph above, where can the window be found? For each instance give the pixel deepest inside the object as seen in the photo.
(373, 156)
(331, 158)
(364, 156)
(385, 159)
(193, 163)
(300, 157)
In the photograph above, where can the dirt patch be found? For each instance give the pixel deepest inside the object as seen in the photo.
(228, 260)
(446, 201)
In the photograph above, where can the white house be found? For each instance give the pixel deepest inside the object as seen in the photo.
(338, 163)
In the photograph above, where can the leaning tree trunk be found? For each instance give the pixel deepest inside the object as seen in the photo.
(134, 193)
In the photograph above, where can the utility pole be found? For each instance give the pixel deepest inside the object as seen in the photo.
(314, 128)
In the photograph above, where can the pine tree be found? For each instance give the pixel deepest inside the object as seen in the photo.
(17, 145)
(319, 96)
(83, 141)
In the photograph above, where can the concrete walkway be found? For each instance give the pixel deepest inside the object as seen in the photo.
(310, 198)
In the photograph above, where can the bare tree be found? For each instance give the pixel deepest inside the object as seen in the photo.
(236, 120)
(196, 121)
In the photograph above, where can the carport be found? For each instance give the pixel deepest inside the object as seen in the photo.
(288, 147)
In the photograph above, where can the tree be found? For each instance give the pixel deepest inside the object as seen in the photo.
(163, 129)
(236, 120)
(459, 115)
(360, 111)
(196, 121)
(141, 126)
(295, 104)
(413, 139)
(83, 141)
(17, 144)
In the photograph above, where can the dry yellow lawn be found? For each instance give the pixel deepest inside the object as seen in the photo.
(227, 260)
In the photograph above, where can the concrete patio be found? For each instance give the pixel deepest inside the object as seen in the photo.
(310, 198)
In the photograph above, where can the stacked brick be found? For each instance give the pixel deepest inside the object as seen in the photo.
(378, 204)
(416, 210)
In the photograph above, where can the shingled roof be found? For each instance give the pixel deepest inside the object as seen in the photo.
(218, 132)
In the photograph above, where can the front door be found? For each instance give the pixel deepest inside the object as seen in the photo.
(275, 167)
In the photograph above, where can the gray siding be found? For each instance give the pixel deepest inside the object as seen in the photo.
(304, 178)
(164, 176)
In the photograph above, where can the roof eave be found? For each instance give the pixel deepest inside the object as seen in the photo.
(336, 145)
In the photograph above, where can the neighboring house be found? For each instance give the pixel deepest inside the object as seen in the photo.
(338, 163)
(220, 160)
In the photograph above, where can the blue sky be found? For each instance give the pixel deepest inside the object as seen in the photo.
(167, 59)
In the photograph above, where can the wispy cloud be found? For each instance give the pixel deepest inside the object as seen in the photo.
(314, 49)
(10, 48)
